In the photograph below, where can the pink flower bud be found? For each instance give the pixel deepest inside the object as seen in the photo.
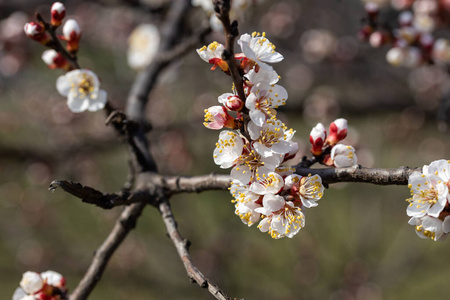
(36, 32)
(234, 103)
(54, 60)
(72, 34)
(338, 131)
(58, 12)
(377, 39)
(217, 117)
(371, 9)
(317, 138)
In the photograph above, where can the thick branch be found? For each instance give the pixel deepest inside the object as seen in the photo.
(359, 173)
(124, 224)
(196, 184)
(182, 248)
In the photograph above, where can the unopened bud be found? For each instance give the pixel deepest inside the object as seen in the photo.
(377, 39)
(217, 117)
(372, 9)
(54, 278)
(54, 60)
(317, 138)
(338, 131)
(36, 32)
(58, 12)
(31, 282)
(405, 18)
(72, 34)
(343, 156)
(234, 103)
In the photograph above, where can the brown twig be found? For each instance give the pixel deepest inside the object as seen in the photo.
(182, 248)
(125, 223)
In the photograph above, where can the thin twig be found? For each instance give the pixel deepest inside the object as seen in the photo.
(125, 223)
(182, 248)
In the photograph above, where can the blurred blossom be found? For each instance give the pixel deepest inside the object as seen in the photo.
(322, 104)
(299, 78)
(10, 64)
(143, 46)
(401, 4)
(12, 27)
(280, 19)
(317, 44)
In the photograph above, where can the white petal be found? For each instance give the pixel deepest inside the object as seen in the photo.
(99, 102)
(76, 104)
(63, 85)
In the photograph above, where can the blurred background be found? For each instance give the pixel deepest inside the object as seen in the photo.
(356, 244)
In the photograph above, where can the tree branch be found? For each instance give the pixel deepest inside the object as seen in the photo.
(182, 248)
(196, 184)
(124, 224)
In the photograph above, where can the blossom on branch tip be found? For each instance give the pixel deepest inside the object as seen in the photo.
(343, 156)
(72, 34)
(82, 89)
(217, 117)
(54, 60)
(37, 32)
(213, 55)
(58, 12)
(143, 46)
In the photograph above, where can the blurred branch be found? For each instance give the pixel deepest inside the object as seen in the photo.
(123, 225)
(182, 248)
(358, 173)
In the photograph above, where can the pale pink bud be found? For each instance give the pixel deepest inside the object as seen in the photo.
(72, 34)
(54, 279)
(217, 117)
(343, 156)
(317, 138)
(377, 39)
(338, 131)
(31, 282)
(54, 59)
(234, 103)
(58, 12)
(372, 9)
(441, 51)
(36, 32)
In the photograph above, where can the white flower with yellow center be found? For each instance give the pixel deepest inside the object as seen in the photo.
(263, 100)
(143, 46)
(343, 156)
(228, 149)
(308, 189)
(429, 192)
(213, 54)
(258, 48)
(82, 89)
(263, 75)
(251, 166)
(282, 218)
(272, 138)
(245, 203)
(271, 183)
(429, 227)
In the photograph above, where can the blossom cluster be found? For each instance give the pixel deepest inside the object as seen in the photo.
(326, 148)
(258, 144)
(81, 87)
(48, 285)
(429, 206)
(411, 42)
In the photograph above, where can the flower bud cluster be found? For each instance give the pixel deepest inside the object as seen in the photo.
(411, 42)
(258, 144)
(47, 285)
(40, 32)
(326, 148)
(429, 206)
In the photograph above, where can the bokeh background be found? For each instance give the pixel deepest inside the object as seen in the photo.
(356, 244)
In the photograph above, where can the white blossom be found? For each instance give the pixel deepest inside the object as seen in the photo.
(263, 100)
(82, 89)
(430, 227)
(31, 282)
(309, 189)
(228, 149)
(343, 156)
(143, 46)
(270, 184)
(258, 48)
